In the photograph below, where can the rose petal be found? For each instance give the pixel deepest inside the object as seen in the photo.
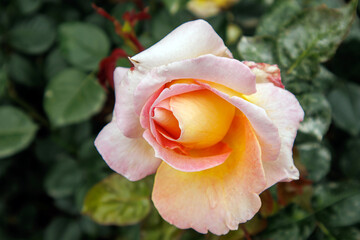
(217, 199)
(126, 118)
(189, 40)
(263, 126)
(286, 113)
(132, 158)
(195, 160)
(265, 73)
(228, 72)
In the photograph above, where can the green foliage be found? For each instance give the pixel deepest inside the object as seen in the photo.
(52, 108)
(34, 35)
(117, 201)
(345, 103)
(72, 96)
(83, 44)
(17, 130)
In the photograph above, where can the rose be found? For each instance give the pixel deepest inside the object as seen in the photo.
(208, 8)
(216, 131)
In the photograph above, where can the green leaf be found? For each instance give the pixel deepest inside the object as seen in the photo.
(63, 229)
(54, 64)
(331, 193)
(173, 6)
(316, 158)
(345, 103)
(117, 201)
(348, 233)
(280, 13)
(16, 130)
(28, 6)
(63, 178)
(257, 49)
(344, 213)
(33, 36)
(3, 80)
(82, 44)
(72, 96)
(313, 37)
(22, 71)
(349, 163)
(317, 116)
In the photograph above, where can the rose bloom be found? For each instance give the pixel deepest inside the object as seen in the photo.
(208, 8)
(216, 131)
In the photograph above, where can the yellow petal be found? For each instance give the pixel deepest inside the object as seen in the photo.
(204, 118)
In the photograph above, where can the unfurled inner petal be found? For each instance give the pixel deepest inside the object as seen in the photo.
(166, 119)
(204, 118)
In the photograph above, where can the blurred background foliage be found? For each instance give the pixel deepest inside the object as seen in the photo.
(55, 97)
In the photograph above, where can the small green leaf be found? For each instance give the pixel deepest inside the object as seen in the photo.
(313, 37)
(82, 44)
(317, 115)
(63, 178)
(316, 158)
(3, 80)
(343, 213)
(280, 13)
(54, 64)
(33, 36)
(257, 49)
(63, 229)
(72, 96)
(16, 131)
(117, 201)
(349, 163)
(28, 6)
(22, 71)
(345, 103)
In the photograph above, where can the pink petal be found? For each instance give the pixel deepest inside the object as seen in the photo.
(195, 160)
(190, 40)
(228, 72)
(126, 118)
(132, 158)
(263, 126)
(217, 199)
(265, 73)
(286, 113)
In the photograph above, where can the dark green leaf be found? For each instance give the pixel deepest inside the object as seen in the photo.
(28, 6)
(317, 115)
(345, 103)
(344, 213)
(281, 12)
(348, 233)
(328, 194)
(117, 201)
(33, 36)
(72, 96)
(316, 158)
(63, 229)
(63, 178)
(54, 64)
(3, 80)
(16, 130)
(22, 71)
(257, 49)
(313, 37)
(82, 44)
(349, 163)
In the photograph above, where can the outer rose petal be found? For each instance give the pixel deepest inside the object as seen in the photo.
(286, 113)
(132, 158)
(228, 72)
(265, 73)
(126, 117)
(217, 199)
(189, 40)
